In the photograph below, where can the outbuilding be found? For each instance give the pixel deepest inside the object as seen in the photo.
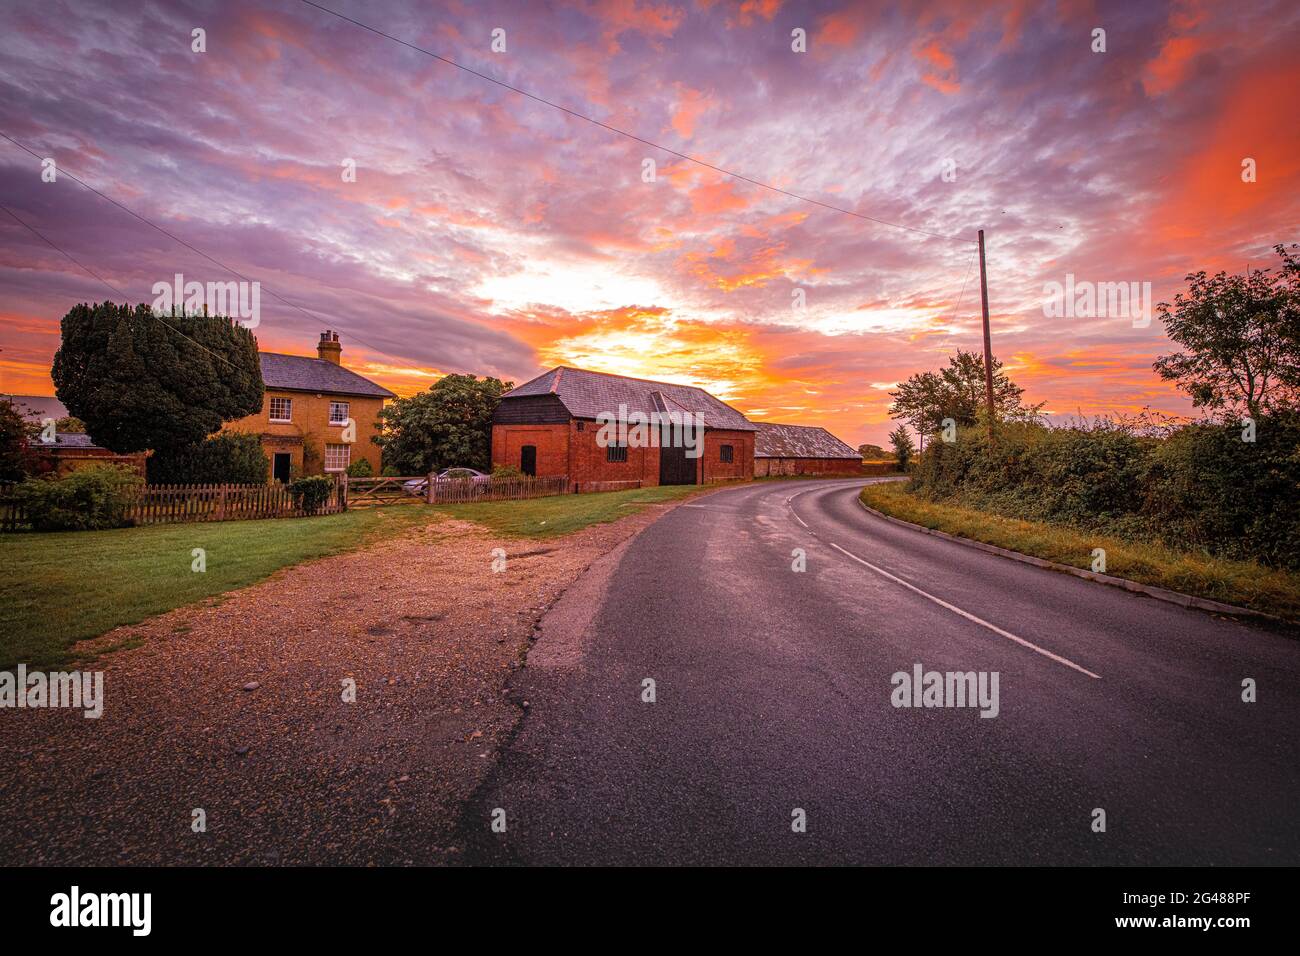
(801, 450)
(559, 425)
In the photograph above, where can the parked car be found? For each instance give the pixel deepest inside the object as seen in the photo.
(416, 486)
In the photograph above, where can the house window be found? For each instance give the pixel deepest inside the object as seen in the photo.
(724, 452)
(339, 413)
(282, 409)
(616, 452)
(337, 457)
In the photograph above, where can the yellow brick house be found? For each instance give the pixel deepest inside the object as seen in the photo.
(308, 408)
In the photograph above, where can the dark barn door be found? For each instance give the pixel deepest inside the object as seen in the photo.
(675, 468)
(528, 460)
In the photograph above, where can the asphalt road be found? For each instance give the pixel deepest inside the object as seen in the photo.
(773, 693)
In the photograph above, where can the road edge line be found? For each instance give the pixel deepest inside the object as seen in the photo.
(1150, 590)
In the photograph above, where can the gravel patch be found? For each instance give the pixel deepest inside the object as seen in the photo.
(235, 707)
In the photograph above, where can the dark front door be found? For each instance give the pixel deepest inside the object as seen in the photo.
(280, 467)
(528, 460)
(675, 468)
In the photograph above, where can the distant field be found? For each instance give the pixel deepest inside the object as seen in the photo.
(1243, 583)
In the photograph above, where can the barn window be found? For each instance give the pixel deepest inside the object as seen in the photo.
(281, 409)
(580, 424)
(616, 452)
(724, 453)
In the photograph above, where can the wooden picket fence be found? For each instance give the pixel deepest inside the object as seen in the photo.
(166, 504)
(466, 490)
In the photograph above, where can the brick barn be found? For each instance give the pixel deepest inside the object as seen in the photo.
(548, 427)
(801, 450)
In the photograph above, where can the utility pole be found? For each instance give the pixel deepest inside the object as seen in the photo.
(988, 343)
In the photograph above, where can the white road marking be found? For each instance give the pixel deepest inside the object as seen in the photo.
(970, 617)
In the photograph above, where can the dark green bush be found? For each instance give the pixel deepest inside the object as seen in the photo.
(311, 492)
(361, 469)
(234, 458)
(89, 499)
(1201, 488)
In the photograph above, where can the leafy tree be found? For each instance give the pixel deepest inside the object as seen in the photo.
(872, 452)
(447, 426)
(903, 447)
(14, 462)
(139, 384)
(925, 399)
(1240, 337)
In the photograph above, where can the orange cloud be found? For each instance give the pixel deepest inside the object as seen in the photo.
(691, 104)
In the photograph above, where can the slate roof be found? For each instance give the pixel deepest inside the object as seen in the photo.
(68, 440)
(587, 394)
(301, 373)
(799, 441)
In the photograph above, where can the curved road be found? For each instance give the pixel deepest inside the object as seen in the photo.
(773, 693)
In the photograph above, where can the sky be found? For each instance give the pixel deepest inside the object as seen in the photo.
(490, 233)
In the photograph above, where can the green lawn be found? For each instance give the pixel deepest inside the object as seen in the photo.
(563, 514)
(1243, 583)
(60, 587)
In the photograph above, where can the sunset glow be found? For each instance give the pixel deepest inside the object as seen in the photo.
(489, 233)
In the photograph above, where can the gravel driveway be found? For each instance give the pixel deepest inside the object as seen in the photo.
(235, 706)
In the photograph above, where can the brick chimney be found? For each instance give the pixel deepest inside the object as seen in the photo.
(328, 347)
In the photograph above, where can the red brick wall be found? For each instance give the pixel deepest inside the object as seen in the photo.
(742, 456)
(551, 441)
(590, 460)
(564, 450)
(764, 467)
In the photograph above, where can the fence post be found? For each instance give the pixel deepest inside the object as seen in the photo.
(343, 493)
(428, 488)
(221, 504)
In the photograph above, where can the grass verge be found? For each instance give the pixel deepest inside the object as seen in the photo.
(57, 588)
(1243, 583)
(559, 515)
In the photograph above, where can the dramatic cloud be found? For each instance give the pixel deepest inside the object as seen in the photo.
(486, 232)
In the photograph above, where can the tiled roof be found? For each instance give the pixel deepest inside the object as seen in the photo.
(301, 373)
(587, 394)
(798, 441)
(69, 440)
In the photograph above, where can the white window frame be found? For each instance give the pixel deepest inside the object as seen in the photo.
(270, 409)
(347, 456)
(347, 410)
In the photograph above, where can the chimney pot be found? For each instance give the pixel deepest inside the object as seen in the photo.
(329, 348)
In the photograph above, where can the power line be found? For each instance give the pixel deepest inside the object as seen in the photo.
(621, 132)
(114, 288)
(307, 312)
